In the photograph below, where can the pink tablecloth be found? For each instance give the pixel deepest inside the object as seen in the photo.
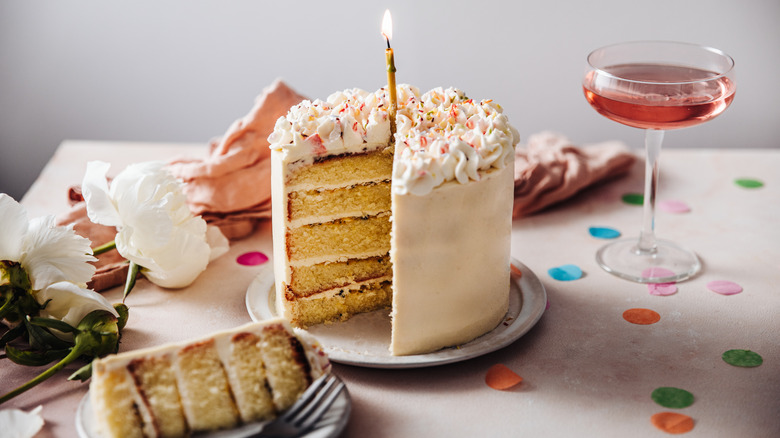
(587, 372)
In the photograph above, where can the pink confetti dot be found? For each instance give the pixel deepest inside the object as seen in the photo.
(662, 289)
(252, 258)
(724, 287)
(674, 206)
(656, 272)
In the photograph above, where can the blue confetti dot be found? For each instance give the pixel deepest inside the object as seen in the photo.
(565, 272)
(604, 232)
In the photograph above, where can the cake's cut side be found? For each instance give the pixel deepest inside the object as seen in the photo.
(204, 388)
(248, 378)
(250, 373)
(334, 260)
(156, 382)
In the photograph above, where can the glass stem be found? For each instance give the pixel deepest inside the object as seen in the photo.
(653, 140)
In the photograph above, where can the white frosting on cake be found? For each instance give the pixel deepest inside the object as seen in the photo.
(446, 136)
(349, 121)
(450, 255)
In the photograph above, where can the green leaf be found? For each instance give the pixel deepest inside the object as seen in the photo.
(34, 358)
(132, 273)
(82, 374)
(42, 339)
(12, 334)
(52, 323)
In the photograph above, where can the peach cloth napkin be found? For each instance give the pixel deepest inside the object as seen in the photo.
(231, 187)
(550, 169)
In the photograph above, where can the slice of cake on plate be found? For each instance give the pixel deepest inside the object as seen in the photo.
(237, 376)
(419, 222)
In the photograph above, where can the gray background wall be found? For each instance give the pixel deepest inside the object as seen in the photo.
(183, 70)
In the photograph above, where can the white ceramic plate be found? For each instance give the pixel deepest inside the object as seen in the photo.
(330, 425)
(364, 339)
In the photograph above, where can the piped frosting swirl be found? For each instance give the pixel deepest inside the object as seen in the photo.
(440, 136)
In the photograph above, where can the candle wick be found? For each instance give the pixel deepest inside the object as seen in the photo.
(388, 41)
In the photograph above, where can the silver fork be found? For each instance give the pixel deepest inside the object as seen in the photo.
(309, 408)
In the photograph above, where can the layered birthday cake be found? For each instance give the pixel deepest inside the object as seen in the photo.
(242, 375)
(418, 221)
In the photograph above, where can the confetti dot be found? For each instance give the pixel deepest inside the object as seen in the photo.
(565, 272)
(672, 422)
(656, 272)
(724, 287)
(252, 258)
(604, 232)
(742, 358)
(662, 289)
(516, 271)
(501, 378)
(633, 198)
(673, 398)
(748, 183)
(641, 316)
(674, 206)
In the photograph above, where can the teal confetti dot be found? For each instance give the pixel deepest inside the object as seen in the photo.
(604, 232)
(748, 183)
(673, 398)
(633, 198)
(565, 272)
(743, 358)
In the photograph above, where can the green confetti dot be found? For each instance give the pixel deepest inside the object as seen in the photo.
(748, 183)
(673, 398)
(743, 358)
(634, 198)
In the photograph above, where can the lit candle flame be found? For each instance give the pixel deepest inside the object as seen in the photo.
(387, 26)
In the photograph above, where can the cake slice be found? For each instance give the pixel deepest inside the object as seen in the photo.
(237, 376)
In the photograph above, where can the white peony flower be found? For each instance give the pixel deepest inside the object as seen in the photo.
(48, 253)
(70, 303)
(156, 229)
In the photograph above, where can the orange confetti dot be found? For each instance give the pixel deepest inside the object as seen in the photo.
(641, 316)
(672, 422)
(500, 377)
(516, 270)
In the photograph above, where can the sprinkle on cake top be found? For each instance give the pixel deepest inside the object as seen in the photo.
(441, 136)
(446, 136)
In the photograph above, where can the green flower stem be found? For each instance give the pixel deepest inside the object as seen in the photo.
(108, 246)
(74, 354)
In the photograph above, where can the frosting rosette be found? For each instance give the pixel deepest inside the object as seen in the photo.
(441, 135)
(349, 121)
(446, 136)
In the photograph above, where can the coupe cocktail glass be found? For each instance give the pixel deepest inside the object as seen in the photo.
(656, 86)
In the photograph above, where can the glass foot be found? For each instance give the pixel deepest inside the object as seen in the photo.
(669, 263)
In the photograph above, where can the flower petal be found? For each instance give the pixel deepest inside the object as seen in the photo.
(55, 253)
(94, 188)
(70, 303)
(217, 241)
(18, 423)
(13, 222)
